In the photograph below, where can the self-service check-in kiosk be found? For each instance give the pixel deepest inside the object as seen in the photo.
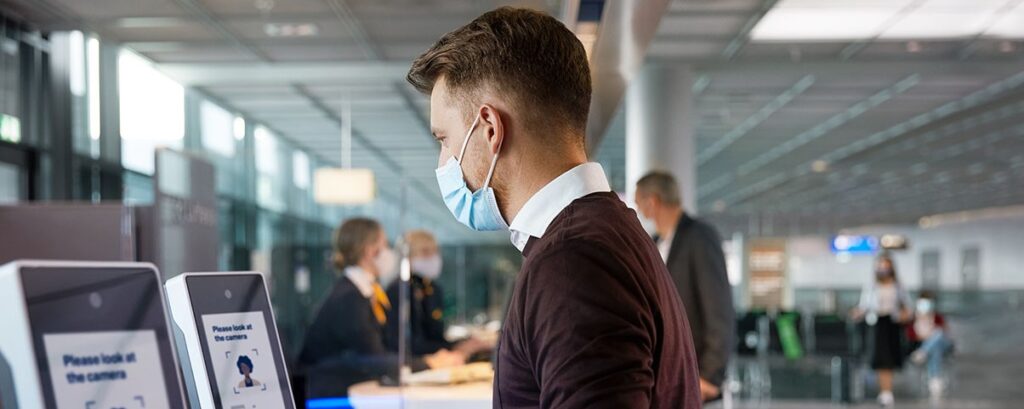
(90, 335)
(228, 340)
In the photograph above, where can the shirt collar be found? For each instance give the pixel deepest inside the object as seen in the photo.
(538, 212)
(363, 280)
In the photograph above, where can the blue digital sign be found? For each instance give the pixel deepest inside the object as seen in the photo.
(850, 244)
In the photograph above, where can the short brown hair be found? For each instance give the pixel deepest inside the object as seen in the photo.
(660, 184)
(351, 238)
(526, 54)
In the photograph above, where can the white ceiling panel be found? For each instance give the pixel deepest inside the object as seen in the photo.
(109, 9)
(298, 52)
(182, 30)
(701, 25)
(277, 9)
(255, 29)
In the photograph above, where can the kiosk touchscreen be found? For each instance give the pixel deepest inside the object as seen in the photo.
(85, 335)
(225, 324)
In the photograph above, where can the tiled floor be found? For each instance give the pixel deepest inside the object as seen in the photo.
(987, 371)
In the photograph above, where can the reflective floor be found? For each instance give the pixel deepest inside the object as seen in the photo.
(916, 404)
(987, 372)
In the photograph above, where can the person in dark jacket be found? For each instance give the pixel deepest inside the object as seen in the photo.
(426, 301)
(692, 250)
(345, 344)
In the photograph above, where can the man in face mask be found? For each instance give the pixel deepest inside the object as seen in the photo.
(594, 320)
(692, 250)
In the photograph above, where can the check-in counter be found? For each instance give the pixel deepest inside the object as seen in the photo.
(371, 395)
(463, 387)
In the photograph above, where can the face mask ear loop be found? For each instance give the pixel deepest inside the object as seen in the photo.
(487, 182)
(465, 143)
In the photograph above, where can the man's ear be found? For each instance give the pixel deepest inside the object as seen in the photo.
(493, 127)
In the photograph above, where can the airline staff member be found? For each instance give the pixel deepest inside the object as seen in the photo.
(594, 320)
(426, 301)
(345, 343)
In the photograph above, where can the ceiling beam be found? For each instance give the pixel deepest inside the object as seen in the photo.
(831, 68)
(693, 37)
(754, 120)
(813, 134)
(348, 19)
(917, 122)
(912, 179)
(957, 128)
(831, 124)
(743, 36)
(200, 11)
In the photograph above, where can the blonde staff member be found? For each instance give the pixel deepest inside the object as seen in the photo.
(345, 344)
(426, 301)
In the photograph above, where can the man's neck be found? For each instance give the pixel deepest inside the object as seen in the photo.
(534, 173)
(667, 220)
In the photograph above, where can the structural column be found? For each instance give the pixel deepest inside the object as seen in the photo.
(660, 128)
(60, 142)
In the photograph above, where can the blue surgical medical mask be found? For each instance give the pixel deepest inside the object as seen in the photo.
(477, 210)
(925, 306)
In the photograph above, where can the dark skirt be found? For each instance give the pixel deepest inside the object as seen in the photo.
(888, 351)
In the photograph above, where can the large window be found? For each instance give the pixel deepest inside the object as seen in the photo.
(10, 125)
(300, 169)
(84, 81)
(152, 112)
(93, 70)
(270, 182)
(10, 128)
(218, 129)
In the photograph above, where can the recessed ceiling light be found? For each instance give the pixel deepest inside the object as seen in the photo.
(819, 166)
(718, 206)
(264, 5)
(291, 29)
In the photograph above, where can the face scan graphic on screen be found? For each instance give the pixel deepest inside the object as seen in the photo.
(105, 370)
(242, 360)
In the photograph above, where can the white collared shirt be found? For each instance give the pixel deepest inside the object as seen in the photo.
(665, 245)
(538, 212)
(362, 279)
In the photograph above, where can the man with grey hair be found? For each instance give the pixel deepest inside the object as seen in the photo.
(692, 250)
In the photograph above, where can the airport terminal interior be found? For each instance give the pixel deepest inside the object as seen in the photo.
(817, 137)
